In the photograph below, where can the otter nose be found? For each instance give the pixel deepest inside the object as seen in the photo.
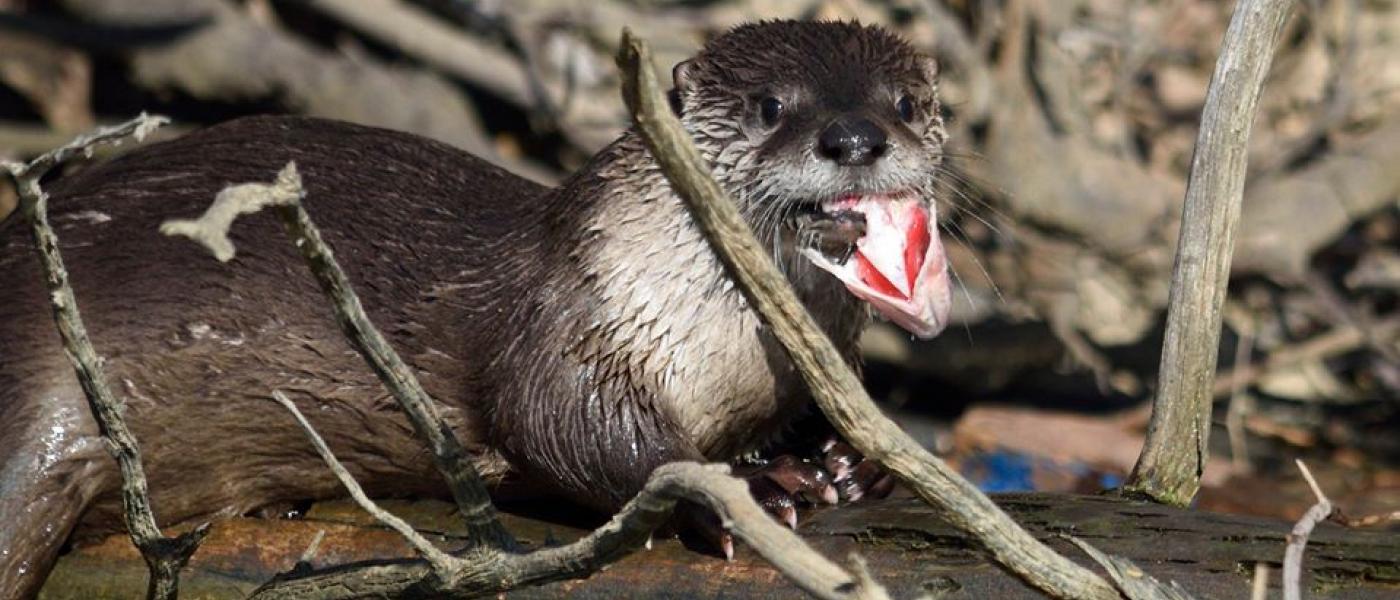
(852, 142)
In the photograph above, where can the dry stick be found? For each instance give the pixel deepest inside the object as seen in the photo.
(285, 195)
(1260, 588)
(439, 560)
(836, 389)
(1169, 469)
(451, 458)
(1298, 539)
(1373, 520)
(421, 35)
(1135, 583)
(1240, 402)
(312, 548)
(1341, 312)
(164, 556)
(488, 569)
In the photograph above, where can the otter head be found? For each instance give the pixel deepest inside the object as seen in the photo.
(812, 119)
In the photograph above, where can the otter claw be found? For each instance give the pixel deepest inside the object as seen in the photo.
(801, 478)
(774, 499)
(839, 458)
(779, 484)
(704, 524)
(855, 477)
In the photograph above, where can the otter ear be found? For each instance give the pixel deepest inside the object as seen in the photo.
(680, 77)
(928, 67)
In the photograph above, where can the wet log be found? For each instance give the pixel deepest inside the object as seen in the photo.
(908, 548)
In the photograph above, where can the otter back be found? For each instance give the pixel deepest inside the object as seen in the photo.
(194, 346)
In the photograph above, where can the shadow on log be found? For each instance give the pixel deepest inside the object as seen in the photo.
(908, 548)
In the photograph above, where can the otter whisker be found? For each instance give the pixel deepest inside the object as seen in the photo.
(955, 231)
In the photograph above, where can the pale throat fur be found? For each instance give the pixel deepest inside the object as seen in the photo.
(663, 311)
(672, 317)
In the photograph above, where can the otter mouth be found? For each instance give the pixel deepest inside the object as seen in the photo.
(896, 264)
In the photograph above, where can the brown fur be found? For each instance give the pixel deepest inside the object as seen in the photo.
(576, 337)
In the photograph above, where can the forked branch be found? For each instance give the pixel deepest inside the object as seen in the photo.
(164, 556)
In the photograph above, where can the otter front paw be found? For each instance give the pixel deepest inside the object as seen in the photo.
(834, 235)
(854, 476)
(781, 483)
(779, 486)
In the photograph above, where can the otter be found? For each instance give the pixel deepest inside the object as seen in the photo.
(576, 337)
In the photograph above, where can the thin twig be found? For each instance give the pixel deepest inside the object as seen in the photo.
(485, 571)
(1240, 401)
(417, 33)
(312, 548)
(1260, 588)
(957, 45)
(164, 556)
(1298, 539)
(836, 389)
(1338, 97)
(1373, 520)
(440, 561)
(1174, 455)
(1132, 581)
(1339, 312)
(451, 459)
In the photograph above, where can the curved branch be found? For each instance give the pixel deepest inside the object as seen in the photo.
(484, 570)
(1173, 458)
(835, 387)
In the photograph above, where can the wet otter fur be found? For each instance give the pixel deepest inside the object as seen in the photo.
(577, 337)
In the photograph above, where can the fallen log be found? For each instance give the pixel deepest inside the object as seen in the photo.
(908, 549)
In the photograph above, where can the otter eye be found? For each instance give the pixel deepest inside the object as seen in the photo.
(905, 106)
(769, 109)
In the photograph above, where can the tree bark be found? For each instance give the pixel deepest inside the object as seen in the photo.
(1169, 469)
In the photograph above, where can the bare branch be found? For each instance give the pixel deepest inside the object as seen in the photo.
(211, 228)
(1169, 469)
(1374, 520)
(164, 556)
(285, 195)
(491, 568)
(1240, 401)
(437, 558)
(312, 548)
(486, 570)
(836, 389)
(1298, 539)
(1135, 583)
(1260, 588)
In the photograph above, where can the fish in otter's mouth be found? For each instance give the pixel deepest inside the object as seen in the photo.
(896, 264)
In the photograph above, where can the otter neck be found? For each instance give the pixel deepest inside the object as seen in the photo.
(661, 307)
